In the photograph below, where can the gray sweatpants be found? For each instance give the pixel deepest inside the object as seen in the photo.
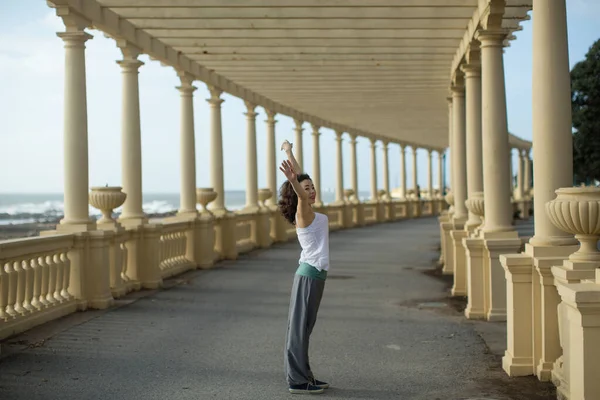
(304, 305)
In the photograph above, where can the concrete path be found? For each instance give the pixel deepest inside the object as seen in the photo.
(386, 330)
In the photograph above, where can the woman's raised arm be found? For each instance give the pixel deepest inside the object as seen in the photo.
(287, 147)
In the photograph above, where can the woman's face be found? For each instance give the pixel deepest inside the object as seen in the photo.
(308, 185)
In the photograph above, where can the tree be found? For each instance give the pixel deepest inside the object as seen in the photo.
(585, 104)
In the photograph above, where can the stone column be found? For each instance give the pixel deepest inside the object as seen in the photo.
(187, 147)
(500, 238)
(441, 184)
(271, 158)
(354, 166)
(415, 174)
(402, 171)
(339, 183)
(473, 129)
(316, 174)
(251, 162)
(216, 151)
(459, 156)
(386, 170)
(373, 169)
(131, 150)
(511, 174)
(520, 176)
(527, 174)
(450, 141)
(75, 134)
(430, 172)
(298, 148)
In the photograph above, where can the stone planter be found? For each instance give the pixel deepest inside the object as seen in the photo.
(449, 199)
(205, 196)
(577, 210)
(264, 195)
(476, 205)
(349, 193)
(381, 194)
(106, 199)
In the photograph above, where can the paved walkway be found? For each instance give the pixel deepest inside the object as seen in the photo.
(386, 330)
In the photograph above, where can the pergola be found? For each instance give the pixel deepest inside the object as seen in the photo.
(418, 73)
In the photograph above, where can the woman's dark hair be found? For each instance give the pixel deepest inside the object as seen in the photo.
(288, 199)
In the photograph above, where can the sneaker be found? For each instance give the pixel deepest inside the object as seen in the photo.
(320, 384)
(305, 388)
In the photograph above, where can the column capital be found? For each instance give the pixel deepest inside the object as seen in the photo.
(385, 144)
(472, 70)
(315, 129)
(129, 50)
(130, 64)
(299, 124)
(353, 137)
(458, 91)
(186, 90)
(186, 79)
(373, 141)
(338, 135)
(215, 96)
(270, 116)
(491, 37)
(74, 38)
(449, 99)
(250, 110)
(414, 149)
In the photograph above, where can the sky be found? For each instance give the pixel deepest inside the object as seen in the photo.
(31, 111)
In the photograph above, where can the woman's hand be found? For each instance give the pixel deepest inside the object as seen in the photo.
(288, 171)
(286, 146)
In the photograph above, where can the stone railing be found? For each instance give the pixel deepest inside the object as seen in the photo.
(172, 251)
(35, 274)
(56, 274)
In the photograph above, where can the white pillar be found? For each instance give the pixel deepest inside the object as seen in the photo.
(402, 171)
(316, 174)
(75, 133)
(527, 174)
(473, 132)
(251, 162)
(271, 158)
(430, 172)
(551, 116)
(450, 141)
(339, 187)
(216, 150)
(354, 166)
(511, 174)
(441, 172)
(187, 146)
(298, 148)
(459, 156)
(520, 175)
(386, 170)
(131, 150)
(373, 169)
(498, 208)
(415, 175)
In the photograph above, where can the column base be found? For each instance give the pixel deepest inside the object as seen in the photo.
(459, 287)
(517, 366)
(72, 227)
(544, 371)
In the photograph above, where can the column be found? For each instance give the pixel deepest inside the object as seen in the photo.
(459, 156)
(316, 174)
(511, 185)
(415, 179)
(430, 172)
(271, 158)
(354, 166)
(75, 132)
(251, 163)
(527, 175)
(386, 170)
(473, 131)
(187, 146)
(373, 169)
(216, 150)
(520, 189)
(449, 154)
(441, 172)
(131, 149)
(339, 187)
(402, 171)
(298, 148)
(498, 208)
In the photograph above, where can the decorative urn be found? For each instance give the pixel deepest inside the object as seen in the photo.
(264, 195)
(204, 196)
(106, 199)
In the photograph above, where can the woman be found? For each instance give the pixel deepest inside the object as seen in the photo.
(296, 198)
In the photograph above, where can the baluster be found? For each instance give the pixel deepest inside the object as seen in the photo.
(4, 278)
(28, 285)
(45, 272)
(64, 293)
(124, 256)
(20, 273)
(51, 280)
(12, 289)
(59, 277)
(37, 283)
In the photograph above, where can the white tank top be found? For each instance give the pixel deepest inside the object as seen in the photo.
(314, 240)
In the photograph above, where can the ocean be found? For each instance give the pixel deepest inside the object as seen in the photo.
(20, 208)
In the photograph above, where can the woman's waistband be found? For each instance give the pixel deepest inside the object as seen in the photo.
(309, 271)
